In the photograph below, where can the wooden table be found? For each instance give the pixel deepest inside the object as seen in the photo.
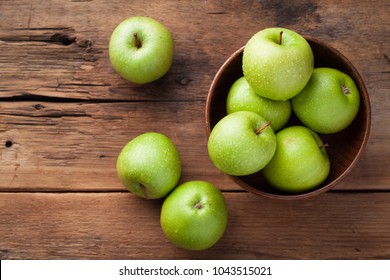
(65, 115)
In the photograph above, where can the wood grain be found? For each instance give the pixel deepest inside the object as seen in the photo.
(73, 146)
(61, 47)
(51, 146)
(121, 226)
(65, 115)
(60, 93)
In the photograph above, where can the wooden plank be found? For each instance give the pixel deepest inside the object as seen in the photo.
(67, 66)
(59, 48)
(73, 146)
(121, 226)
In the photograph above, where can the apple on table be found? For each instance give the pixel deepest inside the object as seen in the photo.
(194, 216)
(141, 49)
(149, 165)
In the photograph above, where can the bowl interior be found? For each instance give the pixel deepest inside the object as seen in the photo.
(344, 148)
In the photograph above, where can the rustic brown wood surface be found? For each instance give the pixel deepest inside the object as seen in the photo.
(65, 115)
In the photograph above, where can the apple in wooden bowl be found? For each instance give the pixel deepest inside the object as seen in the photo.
(343, 148)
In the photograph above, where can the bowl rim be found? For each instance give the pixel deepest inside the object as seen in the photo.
(367, 126)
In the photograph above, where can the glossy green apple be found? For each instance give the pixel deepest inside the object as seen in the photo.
(241, 97)
(141, 49)
(277, 62)
(149, 165)
(241, 143)
(329, 102)
(300, 162)
(194, 216)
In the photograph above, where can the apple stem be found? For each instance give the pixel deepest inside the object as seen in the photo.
(142, 190)
(198, 205)
(345, 89)
(267, 124)
(324, 146)
(138, 42)
(280, 37)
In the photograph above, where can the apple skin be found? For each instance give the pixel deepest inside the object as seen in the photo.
(145, 63)
(300, 162)
(149, 165)
(236, 149)
(241, 97)
(194, 216)
(329, 102)
(277, 71)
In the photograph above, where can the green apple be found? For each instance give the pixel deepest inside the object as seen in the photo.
(329, 102)
(141, 49)
(241, 143)
(277, 62)
(149, 165)
(194, 216)
(241, 97)
(300, 162)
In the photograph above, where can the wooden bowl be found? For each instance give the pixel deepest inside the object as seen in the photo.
(345, 147)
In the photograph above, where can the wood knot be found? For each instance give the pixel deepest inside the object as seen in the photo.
(184, 81)
(63, 39)
(84, 43)
(38, 106)
(8, 143)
